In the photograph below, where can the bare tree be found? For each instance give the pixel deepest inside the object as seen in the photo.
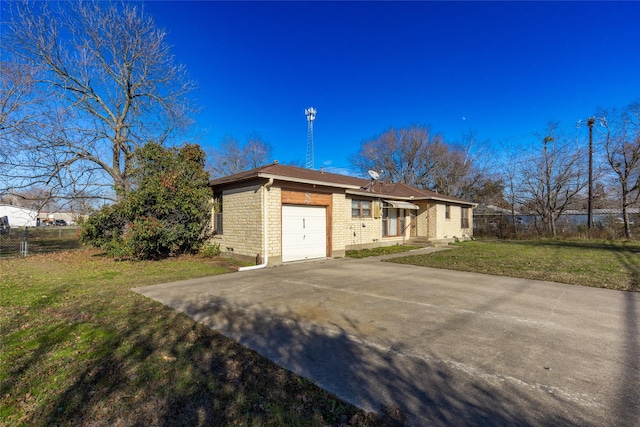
(16, 96)
(106, 84)
(622, 145)
(232, 156)
(407, 155)
(416, 156)
(553, 179)
(466, 172)
(510, 171)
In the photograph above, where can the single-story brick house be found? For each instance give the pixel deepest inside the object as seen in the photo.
(289, 213)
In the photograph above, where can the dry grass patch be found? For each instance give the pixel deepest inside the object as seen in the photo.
(79, 348)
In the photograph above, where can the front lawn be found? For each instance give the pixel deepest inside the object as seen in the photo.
(602, 264)
(80, 348)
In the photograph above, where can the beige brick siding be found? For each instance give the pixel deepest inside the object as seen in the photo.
(274, 221)
(451, 228)
(424, 220)
(340, 214)
(367, 232)
(434, 221)
(242, 222)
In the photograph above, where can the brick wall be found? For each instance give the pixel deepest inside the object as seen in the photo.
(341, 212)
(242, 222)
(423, 220)
(450, 228)
(367, 232)
(274, 220)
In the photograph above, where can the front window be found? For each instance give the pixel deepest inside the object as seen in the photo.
(217, 215)
(447, 212)
(360, 208)
(464, 217)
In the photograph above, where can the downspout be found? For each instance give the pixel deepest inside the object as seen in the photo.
(265, 230)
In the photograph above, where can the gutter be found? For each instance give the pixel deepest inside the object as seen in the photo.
(265, 230)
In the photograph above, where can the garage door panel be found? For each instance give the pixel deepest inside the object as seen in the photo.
(303, 232)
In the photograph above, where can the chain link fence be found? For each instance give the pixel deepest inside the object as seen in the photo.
(27, 241)
(506, 226)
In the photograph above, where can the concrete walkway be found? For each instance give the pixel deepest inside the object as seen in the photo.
(448, 348)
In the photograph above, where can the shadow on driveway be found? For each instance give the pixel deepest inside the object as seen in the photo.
(426, 390)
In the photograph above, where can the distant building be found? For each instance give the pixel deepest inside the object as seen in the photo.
(70, 218)
(601, 217)
(19, 217)
(493, 220)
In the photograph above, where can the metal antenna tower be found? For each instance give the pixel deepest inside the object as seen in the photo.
(311, 116)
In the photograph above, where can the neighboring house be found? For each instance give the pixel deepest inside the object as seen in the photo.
(303, 214)
(492, 220)
(19, 217)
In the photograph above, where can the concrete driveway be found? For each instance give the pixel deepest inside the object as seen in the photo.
(448, 348)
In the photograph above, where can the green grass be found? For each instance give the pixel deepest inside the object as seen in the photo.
(602, 264)
(384, 250)
(80, 348)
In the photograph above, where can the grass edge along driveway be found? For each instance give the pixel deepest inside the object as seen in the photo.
(601, 264)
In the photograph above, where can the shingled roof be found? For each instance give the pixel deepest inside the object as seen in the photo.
(292, 173)
(352, 185)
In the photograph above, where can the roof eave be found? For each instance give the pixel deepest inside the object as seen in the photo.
(359, 192)
(461, 202)
(307, 181)
(414, 198)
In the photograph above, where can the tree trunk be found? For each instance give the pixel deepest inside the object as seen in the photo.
(625, 212)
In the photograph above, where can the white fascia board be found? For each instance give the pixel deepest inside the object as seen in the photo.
(415, 199)
(457, 202)
(306, 181)
(380, 195)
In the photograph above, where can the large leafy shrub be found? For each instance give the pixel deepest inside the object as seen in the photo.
(166, 213)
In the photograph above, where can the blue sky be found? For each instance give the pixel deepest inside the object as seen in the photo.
(500, 69)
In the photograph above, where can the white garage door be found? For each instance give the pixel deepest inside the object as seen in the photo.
(304, 232)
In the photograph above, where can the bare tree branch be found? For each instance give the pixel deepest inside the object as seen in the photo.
(232, 156)
(417, 157)
(106, 83)
(622, 144)
(552, 179)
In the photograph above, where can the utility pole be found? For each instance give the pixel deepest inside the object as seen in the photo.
(590, 123)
